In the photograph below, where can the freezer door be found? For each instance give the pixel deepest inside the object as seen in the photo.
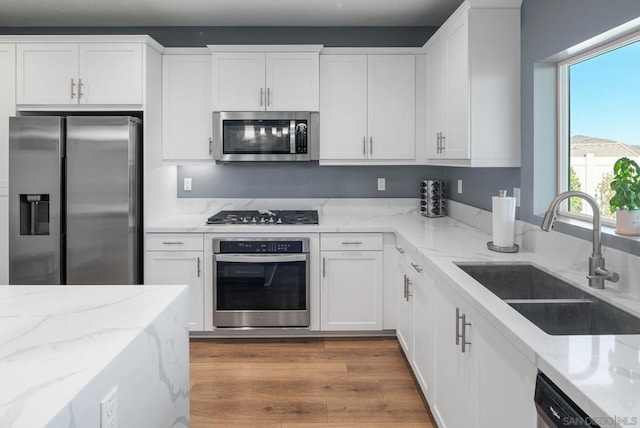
(35, 200)
(102, 200)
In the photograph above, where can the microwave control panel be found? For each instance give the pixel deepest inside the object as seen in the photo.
(301, 137)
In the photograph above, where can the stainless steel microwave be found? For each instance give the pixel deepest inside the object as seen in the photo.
(265, 136)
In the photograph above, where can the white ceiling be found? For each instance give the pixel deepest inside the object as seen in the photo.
(225, 12)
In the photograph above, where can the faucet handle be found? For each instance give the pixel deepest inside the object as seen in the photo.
(605, 274)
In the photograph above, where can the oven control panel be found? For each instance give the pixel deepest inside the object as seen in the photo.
(261, 247)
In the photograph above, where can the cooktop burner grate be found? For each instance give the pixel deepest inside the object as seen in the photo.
(265, 217)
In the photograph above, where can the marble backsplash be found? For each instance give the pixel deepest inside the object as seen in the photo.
(334, 206)
(570, 251)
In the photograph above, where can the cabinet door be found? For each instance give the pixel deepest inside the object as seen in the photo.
(505, 381)
(457, 143)
(351, 290)
(343, 106)
(293, 81)
(392, 106)
(47, 73)
(7, 109)
(436, 100)
(179, 268)
(110, 73)
(186, 106)
(423, 336)
(238, 81)
(453, 402)
(404, 325)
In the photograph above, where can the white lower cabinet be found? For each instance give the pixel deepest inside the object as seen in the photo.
(404, 326)
(351, 281)
(481, 379)
(178, 267)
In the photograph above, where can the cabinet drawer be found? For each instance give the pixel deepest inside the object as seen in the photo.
(351, 242)
(174, 242)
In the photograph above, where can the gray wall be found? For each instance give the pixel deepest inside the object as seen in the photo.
(549, 27)
(201, 36)
(302, 180)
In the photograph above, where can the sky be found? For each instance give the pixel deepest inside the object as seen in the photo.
(605, 96)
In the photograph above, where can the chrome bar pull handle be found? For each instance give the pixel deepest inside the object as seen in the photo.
(80, 94)
(371, 146)
(351, 243)
(442, 146)
(458, 318)
(261, 97)
(416, 267)
(73, 87)
(400, 250)
(404, 296)
(324, 267)
(210, 146)
(364, 146)
(199, 270)
(409, 284)
(465, 324)
(268, 97)
(172, 242)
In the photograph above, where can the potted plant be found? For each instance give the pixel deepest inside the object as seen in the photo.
(626, 200)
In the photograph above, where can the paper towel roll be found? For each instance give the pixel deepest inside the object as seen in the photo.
(504, 220)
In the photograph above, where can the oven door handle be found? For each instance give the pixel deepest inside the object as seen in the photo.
(261, 258)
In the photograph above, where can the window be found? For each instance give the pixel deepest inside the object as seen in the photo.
(599, 121)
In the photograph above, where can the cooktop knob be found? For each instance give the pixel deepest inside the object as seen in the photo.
(262, 220)
(271, 220)
(254, 220)
(279, 221)
(245, 220)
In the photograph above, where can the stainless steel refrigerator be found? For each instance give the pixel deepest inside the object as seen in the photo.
(75, 200)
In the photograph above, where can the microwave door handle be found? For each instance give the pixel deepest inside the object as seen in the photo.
(292, 137)
(261, 258)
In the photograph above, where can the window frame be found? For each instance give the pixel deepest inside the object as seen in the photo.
(563, 125)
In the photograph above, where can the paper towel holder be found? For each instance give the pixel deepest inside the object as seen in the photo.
(490, 245)
(513, 249)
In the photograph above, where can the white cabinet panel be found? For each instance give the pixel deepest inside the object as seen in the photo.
(292, 81)
(179, 268)
(436, 98)
(85, 73)
(238, 81)
(368, 107)
(391, 106)
(186, 101)
(7, 109)
(404, 327)
(110, 73)
(424, 350)
(351, 290)
(343, 106)
(47, 73)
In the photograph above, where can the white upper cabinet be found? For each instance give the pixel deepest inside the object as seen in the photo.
(473, 89)
(85, 73)
(367, 107)
(343, 106)
(186, 107)
(245, 80)
(238, 81)
(293, 81)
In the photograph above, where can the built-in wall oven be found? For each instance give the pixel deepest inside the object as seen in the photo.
(261, 282)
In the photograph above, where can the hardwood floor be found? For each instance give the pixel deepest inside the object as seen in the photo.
(303, 383)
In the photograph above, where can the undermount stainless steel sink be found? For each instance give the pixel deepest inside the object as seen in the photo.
(555, 306)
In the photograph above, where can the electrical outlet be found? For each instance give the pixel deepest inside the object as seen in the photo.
(109, 410)
(516, 194)
(459, 186)
(382, 184)
(187, 184)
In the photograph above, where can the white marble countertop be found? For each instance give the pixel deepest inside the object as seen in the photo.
(600, 373)
(55, 339)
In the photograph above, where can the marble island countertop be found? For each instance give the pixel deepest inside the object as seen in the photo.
(56, 340)
(600, 373)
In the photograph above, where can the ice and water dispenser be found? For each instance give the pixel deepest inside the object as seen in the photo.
(34, 214)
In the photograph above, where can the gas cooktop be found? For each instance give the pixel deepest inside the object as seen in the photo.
(265, 217)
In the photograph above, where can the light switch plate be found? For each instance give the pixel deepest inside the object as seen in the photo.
(382, 185)
(187, 184)
(459, 186)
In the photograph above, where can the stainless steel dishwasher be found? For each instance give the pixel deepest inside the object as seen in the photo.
(555, 409)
